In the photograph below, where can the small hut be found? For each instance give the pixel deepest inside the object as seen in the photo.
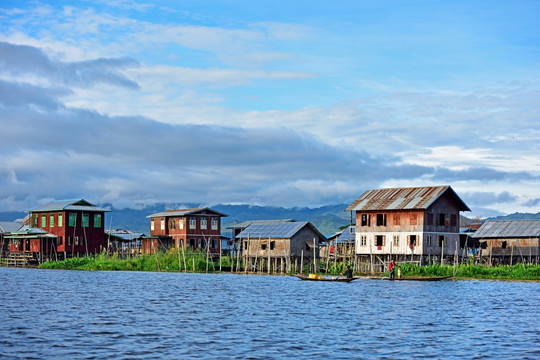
(509, 241)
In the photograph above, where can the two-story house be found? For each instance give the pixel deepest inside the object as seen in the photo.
(196, 228)
(407, 223)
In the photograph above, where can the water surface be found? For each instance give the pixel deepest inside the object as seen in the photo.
(143, 315)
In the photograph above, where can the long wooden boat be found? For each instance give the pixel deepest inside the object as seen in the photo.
(321, 278)
(418, 278)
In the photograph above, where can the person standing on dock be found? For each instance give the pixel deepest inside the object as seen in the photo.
(392, 267)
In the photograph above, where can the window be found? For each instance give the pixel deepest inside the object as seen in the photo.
(152, 224)
(414, 219)
(192, 243)
(503, 245)
(76, 241)
(429, 240)
(441, 240)
(162, 223)
(43, 221)
(51, 220)
(363, 240)
(412, 240)
(213, 244)
(366, 220)
(70, 240)
(245, 244)
(85, 220)
(396, 219)
(172, 223)
(97, 221)
(263, 246)
(440, 219)
(381, 219)
(272, 245)
(72, 217)
(192, 222)
(396, 240)
(447, 220)
(379, 240)
(203, 223)
(60, 220)
(34, 221)
(181, 223)
(214, 223)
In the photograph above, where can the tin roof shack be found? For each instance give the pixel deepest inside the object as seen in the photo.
(29, 245)
(6, 228)
(407, 223)
(509, 241)
(196, 228)
(275, 245)
(78, 225)
(124, 242)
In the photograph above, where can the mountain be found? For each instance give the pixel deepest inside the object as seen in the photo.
(328, 219)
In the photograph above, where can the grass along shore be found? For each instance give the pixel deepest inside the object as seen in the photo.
(197, 262)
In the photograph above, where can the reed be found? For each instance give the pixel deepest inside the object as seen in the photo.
(168, 261)
(514, 272)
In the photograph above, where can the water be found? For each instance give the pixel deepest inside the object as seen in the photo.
(141, 315)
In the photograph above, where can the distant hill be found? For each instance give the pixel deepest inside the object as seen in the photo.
(328, 219)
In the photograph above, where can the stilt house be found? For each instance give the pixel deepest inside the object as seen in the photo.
(407, 223)
(509, 241)
(288, 242)
(198, 228)
(78, 226)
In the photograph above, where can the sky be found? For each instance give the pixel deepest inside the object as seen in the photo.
(279, 103)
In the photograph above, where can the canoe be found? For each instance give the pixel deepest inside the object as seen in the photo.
(419, 278)
(338, 279)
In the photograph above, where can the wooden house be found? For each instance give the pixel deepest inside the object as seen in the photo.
(265, 243)
(509, 241)
(6, 228)
(407, 224)
(198, 228)
(32, 245)
(77, 225)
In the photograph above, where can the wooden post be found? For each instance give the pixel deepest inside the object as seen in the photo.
(302, 262)
(179, 262)
(184, 256)
(269, 255)
(512, 253)
(442, 250)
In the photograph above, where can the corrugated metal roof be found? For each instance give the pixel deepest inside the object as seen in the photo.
(184, 212)
(403, 198)
(508, 228)
(281, 230)
(28, 231)
(348, 235)
(245, 224)
(74, 205)
(10, 226)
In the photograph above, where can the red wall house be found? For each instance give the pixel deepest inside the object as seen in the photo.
(77, 224)
(198, 228)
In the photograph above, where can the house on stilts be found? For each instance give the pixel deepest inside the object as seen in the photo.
(415, 224)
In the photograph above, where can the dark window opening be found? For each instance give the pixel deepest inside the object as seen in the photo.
(379, 240)
(381, 219)
(366, 220)
(412, 240)
(504, 245)
(441, 220)
(441, 241)
(272, 245)
(263, 246)
(483, 245)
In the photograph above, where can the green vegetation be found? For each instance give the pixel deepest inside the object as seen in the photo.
(194, 261)
(507, 272)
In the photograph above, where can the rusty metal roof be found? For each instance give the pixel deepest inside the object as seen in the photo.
(508, 228)
(184, 212)
(412, 198)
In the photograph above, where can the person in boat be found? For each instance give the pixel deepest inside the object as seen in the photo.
(348, 273)
(392, 267)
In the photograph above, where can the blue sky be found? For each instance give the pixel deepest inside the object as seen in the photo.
(284, 103)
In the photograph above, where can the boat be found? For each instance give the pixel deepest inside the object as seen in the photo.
(418, 278)
(314, 277)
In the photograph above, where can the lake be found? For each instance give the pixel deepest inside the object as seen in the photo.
(144, 315)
